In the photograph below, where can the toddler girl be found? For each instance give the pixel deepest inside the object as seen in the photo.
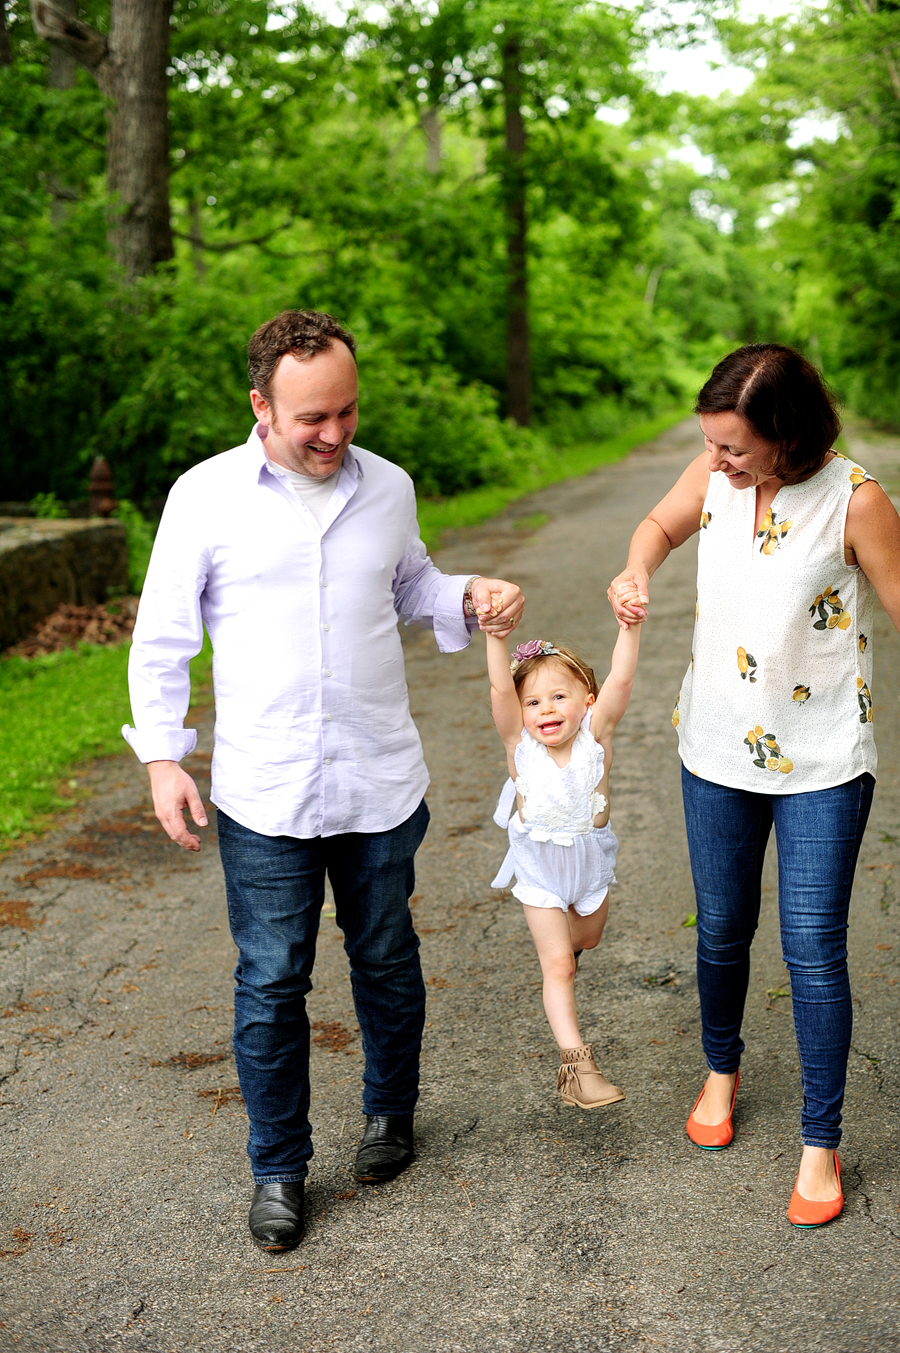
(557, 727)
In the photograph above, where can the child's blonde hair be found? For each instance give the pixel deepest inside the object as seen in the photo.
(523, 667)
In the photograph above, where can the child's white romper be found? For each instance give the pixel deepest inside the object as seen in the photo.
(558, 856)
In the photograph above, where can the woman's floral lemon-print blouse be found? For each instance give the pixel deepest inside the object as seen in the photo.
(777, 697)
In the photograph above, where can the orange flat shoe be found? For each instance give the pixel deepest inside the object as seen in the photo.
(712, 1136)
(807, 1214)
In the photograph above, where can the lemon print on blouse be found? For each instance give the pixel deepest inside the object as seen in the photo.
(863, 643)
(857, 475)
(705, 519)
(831, 612)
(801, 694)
(864, 696)
(765, 751)
(746, 664)
(772, 532)
(676, 717)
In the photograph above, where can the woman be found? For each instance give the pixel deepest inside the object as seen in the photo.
(774, 716)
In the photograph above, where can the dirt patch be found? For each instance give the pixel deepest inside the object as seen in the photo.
(19, 914)
(332, 1035)
(221, 1096)
(68, 869)
(190, 1061)
(23, 1240)
(110, 623)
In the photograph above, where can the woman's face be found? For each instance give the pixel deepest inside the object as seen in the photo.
(736, 451)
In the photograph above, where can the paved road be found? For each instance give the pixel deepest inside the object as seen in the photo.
(524, 1225)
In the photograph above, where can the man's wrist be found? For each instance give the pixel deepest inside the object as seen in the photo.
(468, 603)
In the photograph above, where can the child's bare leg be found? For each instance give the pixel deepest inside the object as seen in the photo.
(586, 931)
(549, 928)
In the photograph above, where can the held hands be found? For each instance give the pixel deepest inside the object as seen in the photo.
(498, 605)
(173, 791)
(629, 596)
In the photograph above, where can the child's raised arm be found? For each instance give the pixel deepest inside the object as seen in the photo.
(505, 704)
(615, 692)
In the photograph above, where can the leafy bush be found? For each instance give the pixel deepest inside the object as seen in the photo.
(140, 534)
(48, 507)
(446, 435)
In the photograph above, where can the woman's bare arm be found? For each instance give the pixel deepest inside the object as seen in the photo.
(872, 532)
(673, 521)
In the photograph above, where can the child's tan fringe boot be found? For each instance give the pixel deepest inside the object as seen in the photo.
(582, 1083)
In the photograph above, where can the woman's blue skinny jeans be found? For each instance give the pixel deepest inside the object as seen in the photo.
(818, 835)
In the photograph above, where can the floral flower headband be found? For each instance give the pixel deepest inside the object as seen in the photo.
(535, 648)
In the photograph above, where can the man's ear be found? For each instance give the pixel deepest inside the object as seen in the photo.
(261, 407)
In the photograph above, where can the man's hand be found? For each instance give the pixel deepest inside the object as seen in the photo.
(173, 791)
(498, 605)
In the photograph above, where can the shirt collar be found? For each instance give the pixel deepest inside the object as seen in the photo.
(260, 461)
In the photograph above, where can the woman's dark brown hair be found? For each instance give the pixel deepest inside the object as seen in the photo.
(783, 398)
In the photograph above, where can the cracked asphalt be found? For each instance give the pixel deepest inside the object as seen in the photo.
(524, 1225)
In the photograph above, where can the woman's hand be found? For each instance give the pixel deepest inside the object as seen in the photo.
(629, 596)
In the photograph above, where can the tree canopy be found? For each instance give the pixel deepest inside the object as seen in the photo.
(494, 196)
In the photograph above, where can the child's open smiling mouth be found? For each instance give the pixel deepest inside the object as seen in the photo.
(551, 726)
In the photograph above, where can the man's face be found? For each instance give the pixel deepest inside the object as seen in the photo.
(313, 413)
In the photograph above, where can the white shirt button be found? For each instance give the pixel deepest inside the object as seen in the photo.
(324, 583)
(328, 718)
(326, 627)
(328, 671)
(328, 761)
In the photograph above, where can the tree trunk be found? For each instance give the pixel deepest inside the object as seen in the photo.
(61, 75)
(130, 68)
(61, 70)
(5, 46)
(430, 121)
(137, 147)
(518, 340)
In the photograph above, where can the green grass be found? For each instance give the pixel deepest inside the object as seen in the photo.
(61, 711)
(58, 712)
(470, 509)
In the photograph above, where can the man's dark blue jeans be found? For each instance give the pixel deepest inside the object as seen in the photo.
(275, 887)
(818, 835)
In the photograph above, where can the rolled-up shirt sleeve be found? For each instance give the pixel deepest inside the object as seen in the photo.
(426, 597)
(167, 634)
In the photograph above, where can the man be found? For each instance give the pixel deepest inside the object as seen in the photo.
(298, 551)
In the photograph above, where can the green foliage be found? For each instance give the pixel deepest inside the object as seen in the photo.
(140, 534)
(359, 168)
(818, 214)
(57, 712)
(48, 507)
(558, 462)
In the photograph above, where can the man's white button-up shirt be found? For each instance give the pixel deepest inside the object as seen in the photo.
(313, 731)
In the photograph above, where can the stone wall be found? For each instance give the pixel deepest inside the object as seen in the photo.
(43, 563)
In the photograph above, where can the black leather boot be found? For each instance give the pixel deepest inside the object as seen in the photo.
(276, 1216)
(386, 1147)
